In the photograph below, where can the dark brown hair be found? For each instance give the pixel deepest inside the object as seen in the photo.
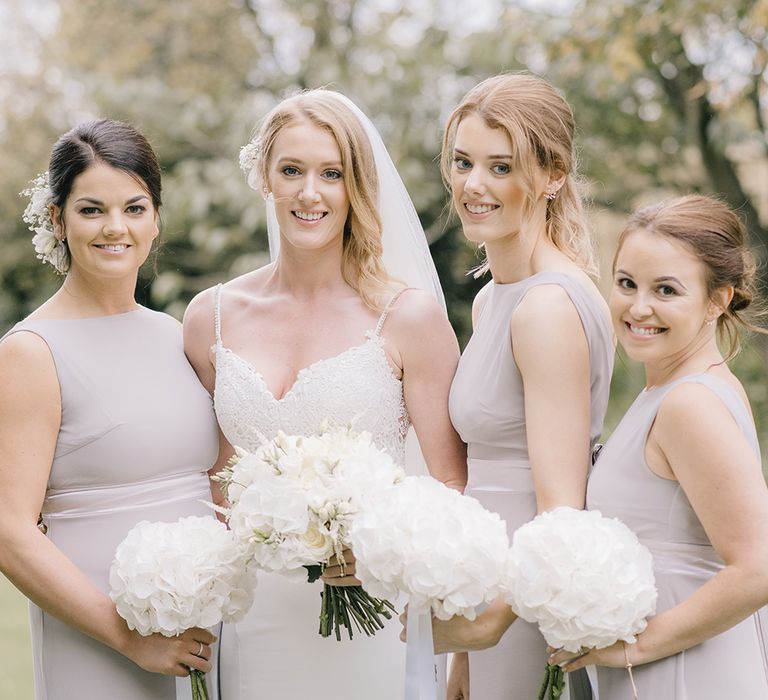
(115, 143)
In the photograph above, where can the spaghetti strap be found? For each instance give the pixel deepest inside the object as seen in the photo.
(387, 309)
(217, 313)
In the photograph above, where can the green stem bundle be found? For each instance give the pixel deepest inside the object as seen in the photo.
(554, 683)
(343, 605)
(199, 688)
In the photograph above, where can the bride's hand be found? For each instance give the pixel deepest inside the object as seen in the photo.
(336, 574)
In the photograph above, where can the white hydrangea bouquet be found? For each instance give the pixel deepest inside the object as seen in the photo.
(442, 550)
(584, 579)
(292, 502)
(170, 577)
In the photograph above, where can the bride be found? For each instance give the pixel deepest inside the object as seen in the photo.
(346, 324)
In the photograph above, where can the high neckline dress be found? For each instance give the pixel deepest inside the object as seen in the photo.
(733, 664)
(487, 406)
(137, 437)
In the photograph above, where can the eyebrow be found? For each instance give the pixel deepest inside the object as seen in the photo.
(665, 278)
(325, 164)
(92, 200)
(491, 157)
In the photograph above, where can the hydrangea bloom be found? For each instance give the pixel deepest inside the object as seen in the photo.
(584, 579)
(440, 548)
(170, 577)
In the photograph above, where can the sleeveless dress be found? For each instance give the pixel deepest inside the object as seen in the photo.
(733, 664)
(488, 411)
(276, 651)
(136, 438)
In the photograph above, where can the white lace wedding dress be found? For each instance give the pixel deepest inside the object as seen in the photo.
(276, 653)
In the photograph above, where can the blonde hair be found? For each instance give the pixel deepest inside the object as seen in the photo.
(715, 234)
(540, 126)
(362, 266)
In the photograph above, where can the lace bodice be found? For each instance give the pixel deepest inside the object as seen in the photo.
(356, 386)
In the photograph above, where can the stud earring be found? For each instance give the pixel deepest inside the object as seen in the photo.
(710, 321)
(550, 195)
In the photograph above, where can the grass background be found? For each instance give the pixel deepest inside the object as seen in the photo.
(15, 647)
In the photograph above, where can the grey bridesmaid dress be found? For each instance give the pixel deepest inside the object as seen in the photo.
(488, 411)
(137, 436)
(733, 664)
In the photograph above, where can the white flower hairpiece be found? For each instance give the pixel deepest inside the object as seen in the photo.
(248, 155)
(37, 216)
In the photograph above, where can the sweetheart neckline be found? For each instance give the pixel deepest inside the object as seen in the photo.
(371, 338)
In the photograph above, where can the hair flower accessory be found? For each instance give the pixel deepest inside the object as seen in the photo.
(37, 216)
(248, 155)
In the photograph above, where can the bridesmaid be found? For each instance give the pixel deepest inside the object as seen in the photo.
(531, 388)
(683, 466)
(103, 423)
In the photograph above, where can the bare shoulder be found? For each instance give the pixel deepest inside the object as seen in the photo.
(199, 312)
(249, 284)
(699, 438)
(24, 348)
(691, 410)
(547, 335)
(26, 364)
(418, 332)
(415, 311)
(545, 308)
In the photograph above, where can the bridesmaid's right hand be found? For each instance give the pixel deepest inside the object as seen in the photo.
(172, 656)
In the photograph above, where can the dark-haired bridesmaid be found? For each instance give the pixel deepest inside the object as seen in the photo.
(682, 469)
(103, 423)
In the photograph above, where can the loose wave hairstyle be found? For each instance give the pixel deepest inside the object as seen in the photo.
(362, 266)
(716, 235)
(540, 126)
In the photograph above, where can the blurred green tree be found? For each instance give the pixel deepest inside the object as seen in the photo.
(670, 96)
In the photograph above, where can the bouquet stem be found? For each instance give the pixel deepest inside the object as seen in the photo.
(553, 685)
(199, 688)
(343, 605)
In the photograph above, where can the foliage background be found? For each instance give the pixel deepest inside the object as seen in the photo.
(671, 96)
